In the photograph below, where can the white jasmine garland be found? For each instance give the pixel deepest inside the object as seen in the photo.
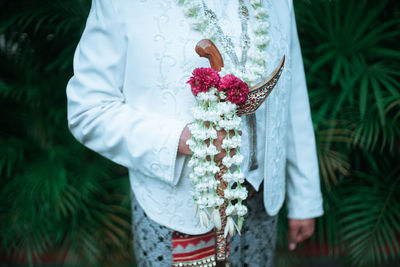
(210, 115)
(258, 40)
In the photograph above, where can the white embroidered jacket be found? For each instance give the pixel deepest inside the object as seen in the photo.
(129, 101)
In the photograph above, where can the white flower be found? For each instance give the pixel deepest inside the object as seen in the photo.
(200, 152)
(210, 167)
(226, 143)
(212, 150)
(213, 91)
(228, 177)
(202, 202)
(212, 133)
(227, 161)
(240, 193)
(238, 177)
(217, 219)
(261, 12)
(229, 210)
(194, 162)
(210, 201)
(231, 193)
(204, 219)
(213, 200)
(230, 227)
(226, 108)
(220, 201)
(189, 4)
(213, 116)
(237, 141)
(241, 210)
(230, 124)
(258, 57)
(237, 159)
(199, 170)
(191, 143)
(261, 27)
(261, 40)
(213, 169)
(212, 184)
(255, 2)
(234, 142)
(200, 187)
(198, 114)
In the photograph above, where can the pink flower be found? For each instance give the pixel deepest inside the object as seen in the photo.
(202, 79)
(236, 89)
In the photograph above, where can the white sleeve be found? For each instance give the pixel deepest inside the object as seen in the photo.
(304, 199)
(98, 115)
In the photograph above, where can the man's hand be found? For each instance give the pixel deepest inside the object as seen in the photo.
(299, 230)
(183, 148)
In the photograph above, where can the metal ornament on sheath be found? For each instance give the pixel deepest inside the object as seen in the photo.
(257, 95)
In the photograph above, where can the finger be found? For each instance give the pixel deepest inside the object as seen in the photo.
(305, 233)
(307, 228)
(293, 233)
(220, 156)
(294, 229)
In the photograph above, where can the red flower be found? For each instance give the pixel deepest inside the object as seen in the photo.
(236, 89)
(202, 79)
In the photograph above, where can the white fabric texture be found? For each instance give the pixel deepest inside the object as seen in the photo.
(128, 100)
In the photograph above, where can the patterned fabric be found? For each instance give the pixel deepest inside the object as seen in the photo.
(254, 247)
(193, 250)
(151, 241)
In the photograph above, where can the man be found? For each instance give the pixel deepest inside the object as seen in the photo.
(129, 101)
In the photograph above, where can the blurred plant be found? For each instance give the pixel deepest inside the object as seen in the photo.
(370, 218)
(352, 61)
(358, 52)
(57, 198)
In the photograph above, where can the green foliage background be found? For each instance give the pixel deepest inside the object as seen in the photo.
(60, 202)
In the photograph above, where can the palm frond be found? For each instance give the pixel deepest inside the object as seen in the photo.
(370, 217)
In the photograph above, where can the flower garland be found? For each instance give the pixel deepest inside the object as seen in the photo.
(253, 67)
(217, 100)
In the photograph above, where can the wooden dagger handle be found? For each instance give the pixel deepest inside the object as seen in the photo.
(206, 48)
